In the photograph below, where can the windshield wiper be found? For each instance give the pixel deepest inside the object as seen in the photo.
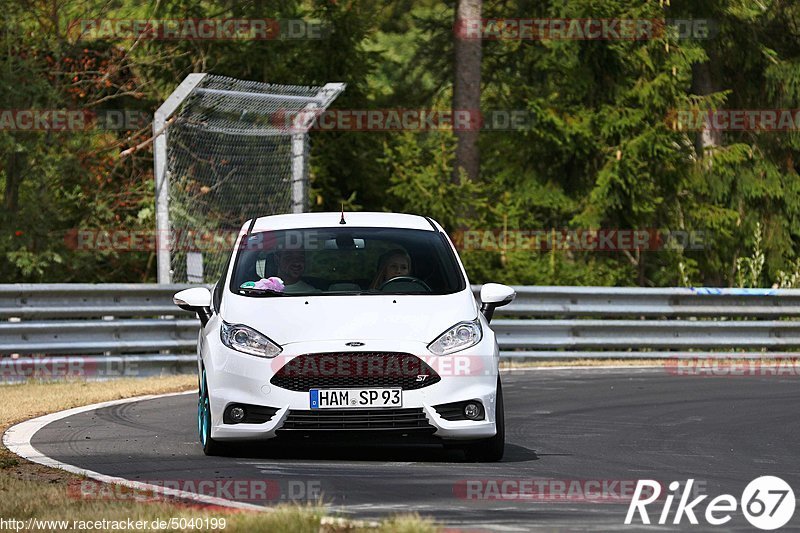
(345, 293)
(251, 291)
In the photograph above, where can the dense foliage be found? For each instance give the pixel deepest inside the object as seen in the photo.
(599, 148)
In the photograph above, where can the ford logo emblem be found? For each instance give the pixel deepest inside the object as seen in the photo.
(354, 344)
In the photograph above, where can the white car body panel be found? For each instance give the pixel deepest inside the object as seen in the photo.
(351, 318)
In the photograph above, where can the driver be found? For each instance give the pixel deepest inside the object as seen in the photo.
(392, 264)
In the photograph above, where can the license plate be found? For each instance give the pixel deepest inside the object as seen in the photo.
(354, 398)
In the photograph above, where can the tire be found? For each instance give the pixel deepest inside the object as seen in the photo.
(490, 450)
(210, 446)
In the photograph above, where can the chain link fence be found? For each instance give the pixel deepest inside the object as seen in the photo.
(234, 150)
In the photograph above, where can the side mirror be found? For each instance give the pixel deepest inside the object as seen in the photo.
(196, 299)
(494, 295)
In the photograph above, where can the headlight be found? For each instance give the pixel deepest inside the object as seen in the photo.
(247, 340)
(461, 336)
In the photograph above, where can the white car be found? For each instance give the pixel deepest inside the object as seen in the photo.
(348, 326)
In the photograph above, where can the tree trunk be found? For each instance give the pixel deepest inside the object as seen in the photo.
(702, 84)
(15, 165)
(467, 91)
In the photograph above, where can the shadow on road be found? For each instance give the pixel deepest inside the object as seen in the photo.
(418, 453)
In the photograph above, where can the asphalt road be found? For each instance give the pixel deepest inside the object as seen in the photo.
(570, 426)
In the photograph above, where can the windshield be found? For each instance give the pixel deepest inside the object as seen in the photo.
(325, 261)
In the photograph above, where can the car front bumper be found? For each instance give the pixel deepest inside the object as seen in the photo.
(234, 377)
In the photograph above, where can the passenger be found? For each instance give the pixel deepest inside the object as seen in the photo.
(291, 265)
(392, 264)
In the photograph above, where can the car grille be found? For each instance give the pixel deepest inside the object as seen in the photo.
(357, 419)
(355, 369)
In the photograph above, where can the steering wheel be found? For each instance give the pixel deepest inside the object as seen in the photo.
(407, 279)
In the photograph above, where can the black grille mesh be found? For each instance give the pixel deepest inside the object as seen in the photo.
(258, 414)
(355, 369)
(357, 419)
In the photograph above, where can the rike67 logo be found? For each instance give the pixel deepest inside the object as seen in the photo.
(767, 503)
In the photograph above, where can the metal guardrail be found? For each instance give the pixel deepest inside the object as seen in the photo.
(84, 300)
(138, 322)
(609, 302)
(98, 336)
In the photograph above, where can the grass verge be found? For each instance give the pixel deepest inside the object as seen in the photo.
(32, 492)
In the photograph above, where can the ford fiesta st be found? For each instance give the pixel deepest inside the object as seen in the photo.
(351, 326)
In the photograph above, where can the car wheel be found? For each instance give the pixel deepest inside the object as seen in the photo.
(491, 449)
(210, 446)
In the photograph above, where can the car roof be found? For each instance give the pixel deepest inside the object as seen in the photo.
(332, 220)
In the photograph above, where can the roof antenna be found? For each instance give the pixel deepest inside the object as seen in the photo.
(342, 221)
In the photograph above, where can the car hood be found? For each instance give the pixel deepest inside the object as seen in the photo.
(293, 319)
